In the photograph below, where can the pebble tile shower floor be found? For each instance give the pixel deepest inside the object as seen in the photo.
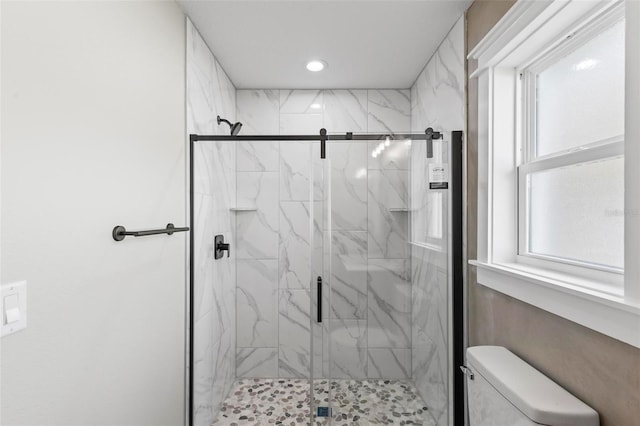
(356, 402)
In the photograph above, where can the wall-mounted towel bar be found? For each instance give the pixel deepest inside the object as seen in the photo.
(119, 232)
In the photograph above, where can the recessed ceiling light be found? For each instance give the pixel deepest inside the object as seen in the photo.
(316, 66)
(315, 106)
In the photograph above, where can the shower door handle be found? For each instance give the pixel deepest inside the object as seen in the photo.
(319, 301)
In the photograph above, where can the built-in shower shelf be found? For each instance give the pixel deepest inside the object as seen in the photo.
(399, 209)
(243, 209)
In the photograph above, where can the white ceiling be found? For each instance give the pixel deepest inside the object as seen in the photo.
(367, 44)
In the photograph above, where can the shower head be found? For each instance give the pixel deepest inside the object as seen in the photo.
(235, 128)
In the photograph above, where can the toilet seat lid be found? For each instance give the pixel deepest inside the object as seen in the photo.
(533, 393)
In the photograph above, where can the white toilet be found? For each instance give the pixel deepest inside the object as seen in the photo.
(503, 390)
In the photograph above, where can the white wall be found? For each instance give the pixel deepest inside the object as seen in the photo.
(93, 136)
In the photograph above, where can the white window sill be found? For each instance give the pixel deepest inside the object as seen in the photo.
(604, 312)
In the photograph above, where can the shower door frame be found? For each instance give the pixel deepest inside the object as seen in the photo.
(457, 222)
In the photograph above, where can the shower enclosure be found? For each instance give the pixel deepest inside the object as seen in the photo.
(332, 302)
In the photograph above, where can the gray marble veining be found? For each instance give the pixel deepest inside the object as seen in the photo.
(301, 102)
(348, 181)
(210, 93)
(371, 321)
(258, 156)
(348, 275)
(257, 231)
(389, 363)
(346, 341)
(438, 101)
(257, 362)
(295, 334)
(296, 167)
(388, 215)
(389, 111)
(345, 110)
(389, 304)
(295, 243)
(257, 303)
(258, 110)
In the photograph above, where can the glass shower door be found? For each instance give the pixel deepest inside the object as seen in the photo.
(431, 264)
(367, 332)
(320, 381)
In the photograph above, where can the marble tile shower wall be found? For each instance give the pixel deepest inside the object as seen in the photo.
(370, 323)
(209, 93)
(437, 100)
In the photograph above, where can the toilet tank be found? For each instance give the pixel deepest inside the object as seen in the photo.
(503, 390)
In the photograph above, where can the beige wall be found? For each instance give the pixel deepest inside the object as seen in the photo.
(603, 372)
(93, 136)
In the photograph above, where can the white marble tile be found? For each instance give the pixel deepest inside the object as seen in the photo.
(348, 185)
(224, 99)
(348, 275)
(300, 124)
(257, 303)
(437, 97)
(257, 362)
(258, 110)
(395, 155)
(223, 186)
(296, 241)
(388, 224)
(429, 328)
(203, 265)
(299, 161)
(389, 280)
(225, 368)
(209, 93)
(389, 111)
(295, 334)
(257, 231)
(430, 381)
(301, 102)
(203, 168)
(438, 101)
(203, 368)
(258, 156)
(200, 79)
(318, 347)
(345, 111)
(389, 363)
(389, 304)
(346, 341)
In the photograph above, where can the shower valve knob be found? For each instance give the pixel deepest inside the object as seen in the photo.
(220, 247)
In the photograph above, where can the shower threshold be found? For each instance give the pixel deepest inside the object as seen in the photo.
(355, 402)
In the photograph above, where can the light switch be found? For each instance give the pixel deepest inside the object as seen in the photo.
(14, 307)
(11, 309)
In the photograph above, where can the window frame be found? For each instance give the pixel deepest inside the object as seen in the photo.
(530, 33)
(529, 162)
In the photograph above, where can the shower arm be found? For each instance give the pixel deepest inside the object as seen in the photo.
(223, 120)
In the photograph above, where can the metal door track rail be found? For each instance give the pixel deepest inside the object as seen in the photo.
(322, 136)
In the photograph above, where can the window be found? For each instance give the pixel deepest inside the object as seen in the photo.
(558, 139)
(571, 175)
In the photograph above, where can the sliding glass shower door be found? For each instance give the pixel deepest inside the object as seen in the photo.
(366, 323)
(332, 303)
